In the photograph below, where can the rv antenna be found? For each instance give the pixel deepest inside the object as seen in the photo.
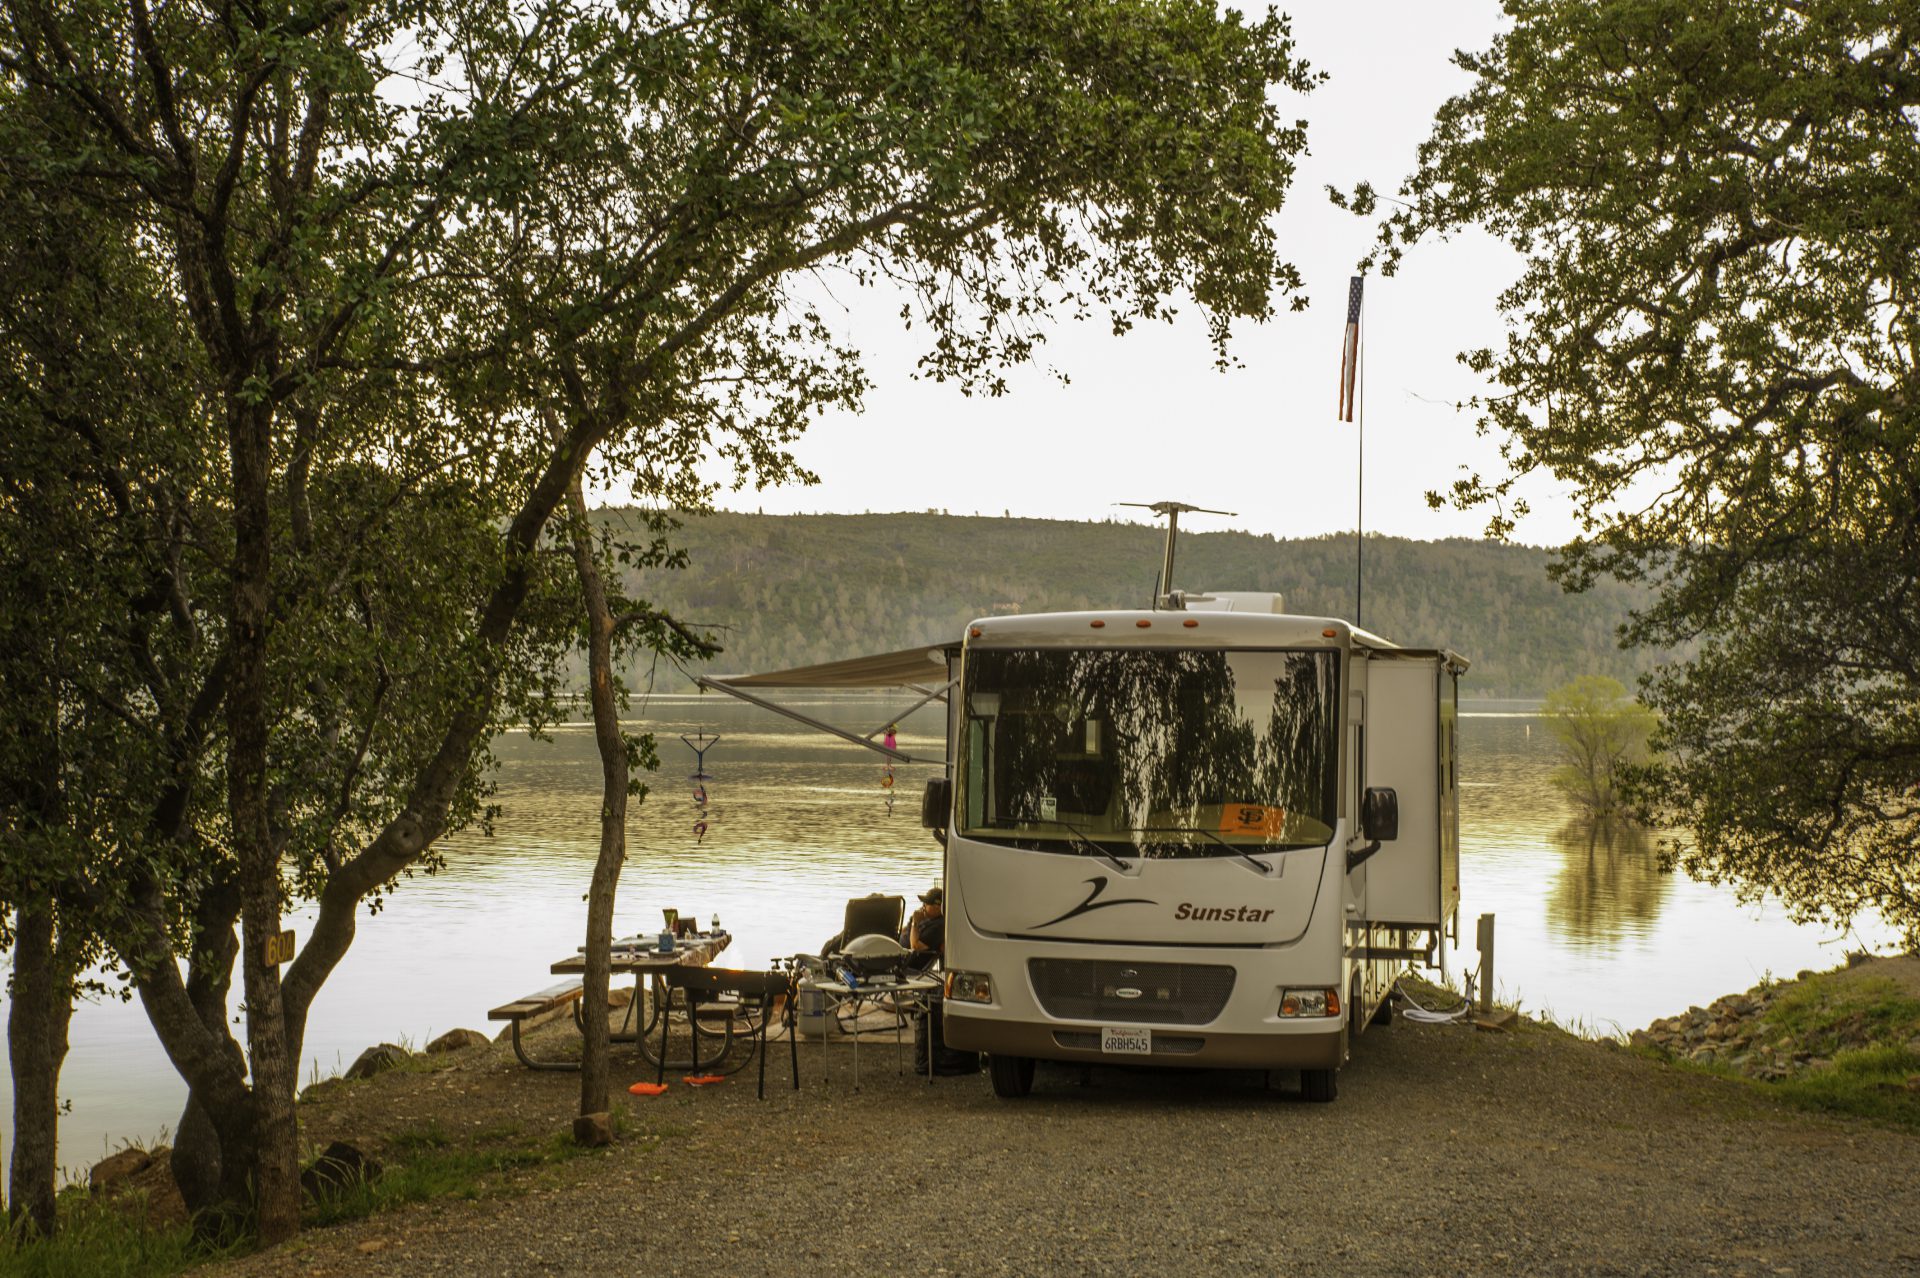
(1164, 597)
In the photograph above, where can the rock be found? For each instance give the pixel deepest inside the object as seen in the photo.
(340, 1167)
(370, 1245)
(455, 1040)
(143, 1179)
(1702, 1055)
(118, 1167)
(593, 1130)
(320, 1091)
(377, 1059)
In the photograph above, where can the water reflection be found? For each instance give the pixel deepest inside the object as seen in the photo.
(1610, 883)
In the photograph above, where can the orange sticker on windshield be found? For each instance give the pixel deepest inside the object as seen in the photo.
(1251, 818)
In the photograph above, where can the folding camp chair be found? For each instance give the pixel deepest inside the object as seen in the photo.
(871, 915)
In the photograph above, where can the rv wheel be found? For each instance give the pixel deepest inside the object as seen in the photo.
(1012, 1075)
(1383, 1014)
(1318, 1085)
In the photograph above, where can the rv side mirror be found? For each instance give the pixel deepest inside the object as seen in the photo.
(936, 803)
(1380, 814)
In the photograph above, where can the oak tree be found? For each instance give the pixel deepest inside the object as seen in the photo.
(402, 239)
(1712, 343)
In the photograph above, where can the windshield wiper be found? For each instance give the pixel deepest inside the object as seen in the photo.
(1240, 852)
(1092, 849)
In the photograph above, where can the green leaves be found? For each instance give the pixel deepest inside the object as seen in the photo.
(1601, 733)
(1713, 344)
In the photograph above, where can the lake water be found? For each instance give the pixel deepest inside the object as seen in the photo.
(797, 822)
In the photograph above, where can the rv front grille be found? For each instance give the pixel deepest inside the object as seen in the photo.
(1163, 1044)
(1131, 993)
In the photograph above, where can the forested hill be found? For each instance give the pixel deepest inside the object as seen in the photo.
(798, 589)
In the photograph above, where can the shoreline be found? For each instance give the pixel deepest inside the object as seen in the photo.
(1443, 1097)
(1531, 1151)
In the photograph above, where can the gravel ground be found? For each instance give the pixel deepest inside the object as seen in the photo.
(1449, 1151)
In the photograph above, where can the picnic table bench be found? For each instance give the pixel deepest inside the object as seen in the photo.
(537, 1008)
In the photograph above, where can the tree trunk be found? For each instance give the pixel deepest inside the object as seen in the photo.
(44, 959)
(595, 1068)
(201, 1167)
(275, 1126)
(36, 1047)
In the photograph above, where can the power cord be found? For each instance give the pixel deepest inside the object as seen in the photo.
(1419, 1012)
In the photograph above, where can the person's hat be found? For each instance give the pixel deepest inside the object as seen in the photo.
(935, 895)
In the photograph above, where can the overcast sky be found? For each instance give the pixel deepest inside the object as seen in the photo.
(1146, 417)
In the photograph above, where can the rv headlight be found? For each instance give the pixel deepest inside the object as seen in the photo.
(1309, 1002)
(970, 987)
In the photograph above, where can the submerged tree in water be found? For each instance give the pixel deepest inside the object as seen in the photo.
(1600, 733)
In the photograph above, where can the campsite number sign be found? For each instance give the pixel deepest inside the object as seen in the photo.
(279, 949)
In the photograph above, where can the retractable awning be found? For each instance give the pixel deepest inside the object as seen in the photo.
(922, 669)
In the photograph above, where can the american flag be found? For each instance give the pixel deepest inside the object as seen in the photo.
(1350, 350)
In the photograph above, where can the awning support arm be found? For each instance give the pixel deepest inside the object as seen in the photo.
(719, 685)
(937, 694)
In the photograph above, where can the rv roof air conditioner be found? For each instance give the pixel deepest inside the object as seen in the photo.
(1262, 601)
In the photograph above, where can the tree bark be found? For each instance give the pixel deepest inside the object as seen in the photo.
(203, 1170)
(275, 1126)
(36, 1048)
(595, 1068)
(43, 959)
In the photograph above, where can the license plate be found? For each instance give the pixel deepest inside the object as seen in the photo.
(1126, 1042)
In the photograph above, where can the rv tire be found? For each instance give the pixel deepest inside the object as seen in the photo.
(1012, 1075)
(1383, 1014)
(1319, 1085)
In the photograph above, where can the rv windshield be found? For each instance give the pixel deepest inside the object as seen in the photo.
(1176, 752)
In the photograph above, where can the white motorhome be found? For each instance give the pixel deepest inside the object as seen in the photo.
(1204, 836)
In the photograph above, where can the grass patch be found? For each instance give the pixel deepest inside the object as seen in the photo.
(1871, 1082)
(1862, 1027)
(430, 1164)
(102, 1240)
(1827, 1014)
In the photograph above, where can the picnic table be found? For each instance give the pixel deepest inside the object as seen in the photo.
(637, 956)
(642, 958)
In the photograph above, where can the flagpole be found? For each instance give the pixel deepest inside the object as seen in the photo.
(1360, 481)
(1353, 399)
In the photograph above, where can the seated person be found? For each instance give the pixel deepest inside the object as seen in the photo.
(926, 930)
